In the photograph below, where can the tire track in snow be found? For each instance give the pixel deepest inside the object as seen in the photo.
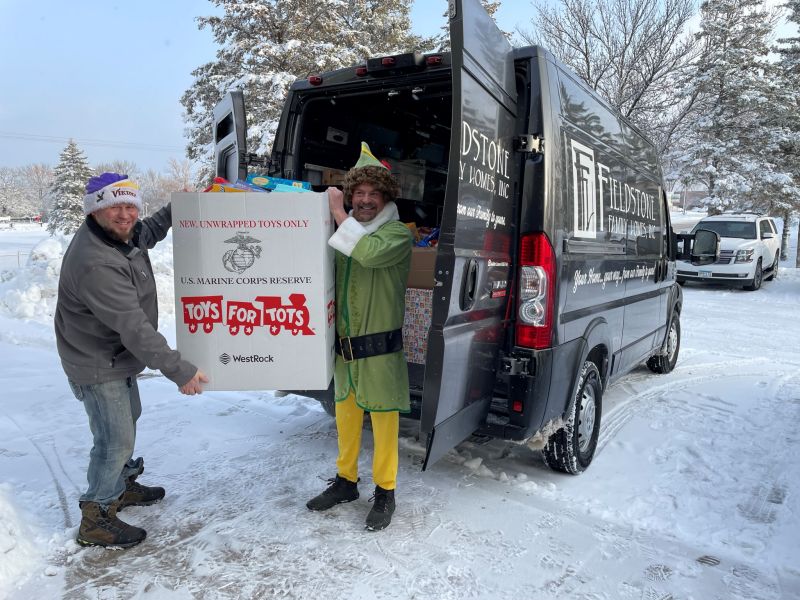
(62, 497)
(637, 402)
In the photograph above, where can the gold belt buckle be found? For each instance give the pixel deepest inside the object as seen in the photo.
(345, 358)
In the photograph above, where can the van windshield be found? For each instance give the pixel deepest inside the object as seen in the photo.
(729, 229)
(408, 127)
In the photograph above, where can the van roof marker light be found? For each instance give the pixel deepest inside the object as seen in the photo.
(361, 71)
(433, 61)
(315, 80)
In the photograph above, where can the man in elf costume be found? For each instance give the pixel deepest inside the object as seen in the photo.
(373, 256)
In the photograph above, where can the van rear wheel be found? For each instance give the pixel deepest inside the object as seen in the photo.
(664, 363)
(571, 448)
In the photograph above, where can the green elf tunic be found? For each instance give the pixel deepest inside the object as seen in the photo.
(372, 263)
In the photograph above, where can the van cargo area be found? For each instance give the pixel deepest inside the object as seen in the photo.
(407, 126)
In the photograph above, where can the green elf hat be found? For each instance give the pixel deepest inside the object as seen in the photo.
(367, 159)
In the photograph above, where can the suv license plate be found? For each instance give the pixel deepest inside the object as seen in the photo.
(704, 273)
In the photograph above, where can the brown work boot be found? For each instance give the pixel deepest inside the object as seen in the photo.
(101, 527)
(136, 494)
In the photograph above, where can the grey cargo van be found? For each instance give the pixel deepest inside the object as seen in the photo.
(555, 268)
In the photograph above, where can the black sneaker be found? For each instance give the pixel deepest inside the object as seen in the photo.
(339, 491)
(381, 514)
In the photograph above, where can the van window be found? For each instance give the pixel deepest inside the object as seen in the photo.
(765, 228)
(408, 127)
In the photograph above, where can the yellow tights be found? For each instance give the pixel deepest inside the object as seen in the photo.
(385, 432)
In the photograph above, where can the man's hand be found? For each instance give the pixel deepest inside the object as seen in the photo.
(336, 204)
(194, 385)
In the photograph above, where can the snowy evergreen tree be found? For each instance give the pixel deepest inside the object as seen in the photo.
(70, 177)
(265, 45)
(731, 151)
(788, 68)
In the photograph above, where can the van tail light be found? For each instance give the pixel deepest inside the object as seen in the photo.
(536, 292)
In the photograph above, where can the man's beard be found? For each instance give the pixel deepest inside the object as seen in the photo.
(113, 234)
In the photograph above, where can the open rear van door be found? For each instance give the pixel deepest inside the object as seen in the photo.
(473, 265)
(230, 137)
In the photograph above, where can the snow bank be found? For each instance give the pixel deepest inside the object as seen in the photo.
(17, 545)
(29, 292)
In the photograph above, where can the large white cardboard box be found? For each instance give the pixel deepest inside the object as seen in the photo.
(254, 288)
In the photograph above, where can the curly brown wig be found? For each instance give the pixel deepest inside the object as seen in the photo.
(379, 177)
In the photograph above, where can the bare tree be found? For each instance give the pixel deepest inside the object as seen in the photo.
(123, 167)
(10, 192)
(152, 186)
(38, 179)
(634, 53)
(180, 176)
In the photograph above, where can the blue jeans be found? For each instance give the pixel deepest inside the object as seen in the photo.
(113, 408)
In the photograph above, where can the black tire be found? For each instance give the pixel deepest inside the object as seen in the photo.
(773, 272)
(664, 363)
(757, 278)
(571, 448)
(328, 405)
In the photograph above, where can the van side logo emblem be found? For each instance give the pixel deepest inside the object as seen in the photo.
(587, 209)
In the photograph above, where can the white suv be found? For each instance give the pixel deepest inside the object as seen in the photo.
(750, 249)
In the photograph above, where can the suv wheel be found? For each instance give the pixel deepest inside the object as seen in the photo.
(757, 277)
(773, 272)
(571, 448)
(664, 363)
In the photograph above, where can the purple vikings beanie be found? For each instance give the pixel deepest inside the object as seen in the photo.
(110, 189)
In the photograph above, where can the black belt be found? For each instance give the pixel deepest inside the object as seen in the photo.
(373, 344)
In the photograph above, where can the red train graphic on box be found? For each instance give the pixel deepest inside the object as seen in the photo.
(238, 315)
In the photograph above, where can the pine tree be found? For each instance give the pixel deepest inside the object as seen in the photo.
(730, 150)
(70, 177)
(789, 157)
(265, 45)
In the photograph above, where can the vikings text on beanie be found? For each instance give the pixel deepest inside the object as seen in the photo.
(110, 189)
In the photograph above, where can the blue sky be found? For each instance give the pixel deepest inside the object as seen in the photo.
(111, 74)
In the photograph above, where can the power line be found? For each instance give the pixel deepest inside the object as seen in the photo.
(90, 142)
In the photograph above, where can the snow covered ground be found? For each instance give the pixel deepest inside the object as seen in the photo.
(694, 492)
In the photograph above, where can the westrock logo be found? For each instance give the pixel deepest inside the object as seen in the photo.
(226, 358)
(244, 255)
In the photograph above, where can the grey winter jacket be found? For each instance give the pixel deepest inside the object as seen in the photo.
(107, 311)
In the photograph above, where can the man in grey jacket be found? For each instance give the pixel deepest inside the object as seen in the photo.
(106, 331)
